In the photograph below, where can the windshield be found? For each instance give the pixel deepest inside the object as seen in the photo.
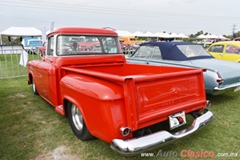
(79, 44)
(193, 50)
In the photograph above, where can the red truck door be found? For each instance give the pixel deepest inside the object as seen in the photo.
(46, 75)
(42, 78)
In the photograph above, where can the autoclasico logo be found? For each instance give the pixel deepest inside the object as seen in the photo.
(186, 154)
(197, 154)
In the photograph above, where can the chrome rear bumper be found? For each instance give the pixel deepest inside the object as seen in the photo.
(137, 145)
(234, 87)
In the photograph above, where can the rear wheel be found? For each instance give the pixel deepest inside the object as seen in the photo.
(77, 123)
(34, 87)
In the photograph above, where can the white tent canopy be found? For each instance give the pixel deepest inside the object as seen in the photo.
(174, 35)
(148, 34)
(211, 36)
(122, 33)
(201, 36)
(208, 36)
(182, 35)
(163, 35)
(222, 37)
(20, 32)
(138, 34)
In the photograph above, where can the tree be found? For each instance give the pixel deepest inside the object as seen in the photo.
(199, 33)
(237, 34)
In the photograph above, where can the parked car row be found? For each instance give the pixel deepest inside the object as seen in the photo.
(30, 44)
(219, 76)
(128, 48)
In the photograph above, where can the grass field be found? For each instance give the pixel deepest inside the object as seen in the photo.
(31, 129)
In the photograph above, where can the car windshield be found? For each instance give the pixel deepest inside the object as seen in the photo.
(193, 50)
(32, 42)
(72, 45)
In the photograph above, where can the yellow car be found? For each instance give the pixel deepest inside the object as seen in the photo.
(226, 50)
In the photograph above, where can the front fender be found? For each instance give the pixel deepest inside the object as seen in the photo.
(30, 76)
(31, 67)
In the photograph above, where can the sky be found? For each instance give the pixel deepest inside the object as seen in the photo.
(178, 16)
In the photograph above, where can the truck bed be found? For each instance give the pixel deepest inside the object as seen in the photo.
(152, 93)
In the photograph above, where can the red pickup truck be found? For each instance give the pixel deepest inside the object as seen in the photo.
(105, 97)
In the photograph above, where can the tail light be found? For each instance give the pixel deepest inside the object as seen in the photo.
(219, 78)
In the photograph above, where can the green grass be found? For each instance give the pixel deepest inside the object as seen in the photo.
(31, 129)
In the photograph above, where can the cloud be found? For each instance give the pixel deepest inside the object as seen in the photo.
(186, 16)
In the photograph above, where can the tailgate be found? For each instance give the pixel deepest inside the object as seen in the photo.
(167, 94)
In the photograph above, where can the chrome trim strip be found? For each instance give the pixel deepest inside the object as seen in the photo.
(137, 145)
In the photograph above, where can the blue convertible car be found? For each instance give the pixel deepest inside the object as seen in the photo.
(219, 76)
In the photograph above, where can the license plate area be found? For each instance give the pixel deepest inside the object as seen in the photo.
(177, 120)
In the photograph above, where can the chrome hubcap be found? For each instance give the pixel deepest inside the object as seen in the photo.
(33, 85)
(77, 117)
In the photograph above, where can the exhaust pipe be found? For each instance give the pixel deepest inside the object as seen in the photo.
(125, 131)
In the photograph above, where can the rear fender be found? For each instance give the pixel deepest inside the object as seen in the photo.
(100, 102)
(92, 87)
(210, 80)
(237, 60)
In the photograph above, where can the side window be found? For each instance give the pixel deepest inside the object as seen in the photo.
(232, 49)
(216, 48)
(109, 45)
(140, 52)
(50, 46)
(156, 53)
(144, 52)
